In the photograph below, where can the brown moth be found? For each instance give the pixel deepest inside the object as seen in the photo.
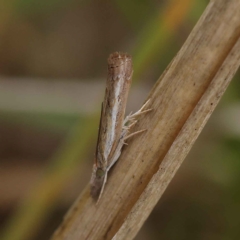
(113, 129)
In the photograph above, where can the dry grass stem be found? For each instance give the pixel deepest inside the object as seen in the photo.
(182, 101)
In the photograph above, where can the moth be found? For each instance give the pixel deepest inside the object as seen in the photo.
(113, 129)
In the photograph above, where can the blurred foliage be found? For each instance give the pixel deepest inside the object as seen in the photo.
(31, 6)
(38, 205)
(159, 30)
(153, 31)
(53, 122)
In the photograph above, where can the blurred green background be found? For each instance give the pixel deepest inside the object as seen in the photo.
(52, 80)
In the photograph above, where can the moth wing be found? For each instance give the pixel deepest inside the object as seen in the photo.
(98, 156)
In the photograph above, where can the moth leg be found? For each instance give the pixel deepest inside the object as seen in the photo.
(103, 185)
(113, 160)
(132, 117)
(130, 121)
(124, 136)
(118, 150)
(133, 134)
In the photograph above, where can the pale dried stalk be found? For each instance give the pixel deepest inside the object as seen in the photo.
(183, 100)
